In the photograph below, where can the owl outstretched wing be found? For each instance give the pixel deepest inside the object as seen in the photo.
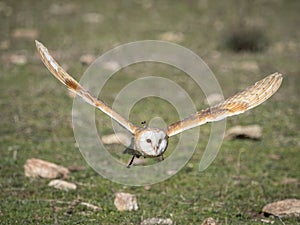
(238, 103)
(75, 87)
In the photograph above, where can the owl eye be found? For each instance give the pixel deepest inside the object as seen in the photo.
(159, 141)
(148, 140)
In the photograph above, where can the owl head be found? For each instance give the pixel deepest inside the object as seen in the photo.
(151, 142)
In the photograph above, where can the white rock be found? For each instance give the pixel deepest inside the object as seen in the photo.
(62, 185)
(209, 221)
(125, 201)
(251, 132)
(117, 138)
(43, 169)
(284, 208)
(155, 221)
(172, 36)
(87, 59)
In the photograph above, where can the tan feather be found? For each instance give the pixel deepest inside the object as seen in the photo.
(238, 103)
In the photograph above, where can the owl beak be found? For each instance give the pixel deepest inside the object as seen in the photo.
(156, 148)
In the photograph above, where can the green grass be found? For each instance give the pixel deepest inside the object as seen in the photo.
(36, 111)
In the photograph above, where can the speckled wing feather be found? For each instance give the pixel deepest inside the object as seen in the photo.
(239, 103)
(75, 87)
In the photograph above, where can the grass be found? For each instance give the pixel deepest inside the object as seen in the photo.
(36, 111)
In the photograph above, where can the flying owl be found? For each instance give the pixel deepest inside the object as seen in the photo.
(153, 142)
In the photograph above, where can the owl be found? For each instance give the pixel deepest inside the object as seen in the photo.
(153, 142)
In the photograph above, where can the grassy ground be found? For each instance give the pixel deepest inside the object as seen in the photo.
(36, 110)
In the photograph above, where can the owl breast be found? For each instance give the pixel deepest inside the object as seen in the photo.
(151, 142)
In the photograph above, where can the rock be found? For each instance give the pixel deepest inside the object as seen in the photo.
(62, 8)
(117, 138)
(87, 59)
(156, 221)
(40, 168)
(62, 185)
(18, 59)
(275, 156)
(267, 221)
(251, 132)
(91, 206)
(209, 221)
(172, 36)
(14, 58)
(147, 187)
(284, 208)
(125, 201)
(30, 34)
(289, 180)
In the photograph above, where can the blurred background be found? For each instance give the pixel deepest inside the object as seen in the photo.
(241, 41)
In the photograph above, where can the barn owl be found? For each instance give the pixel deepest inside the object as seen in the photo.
(153, 142)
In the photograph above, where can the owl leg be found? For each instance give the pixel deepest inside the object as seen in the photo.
(162, 157)
(131, 161)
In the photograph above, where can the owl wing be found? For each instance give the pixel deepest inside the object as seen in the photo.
(75, 87)
(238, 103)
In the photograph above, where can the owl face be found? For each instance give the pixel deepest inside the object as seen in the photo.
(151, 142)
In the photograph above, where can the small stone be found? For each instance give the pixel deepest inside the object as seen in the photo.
(24, 33)
(39, 168)
(284, 208)
(125, 201)
(156, 221)
(87, 59)
(172, 36)
(62, 9)
(62, 185)
(267, 221)
(289, 180)
(147, 187)
(209, 221)
(275, 156)
(91, 206)
(117, 138)
(250, 132)
(18, 59)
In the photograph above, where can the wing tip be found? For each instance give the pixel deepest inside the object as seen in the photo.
(277, 75)
(38, 44)
(278, 78)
